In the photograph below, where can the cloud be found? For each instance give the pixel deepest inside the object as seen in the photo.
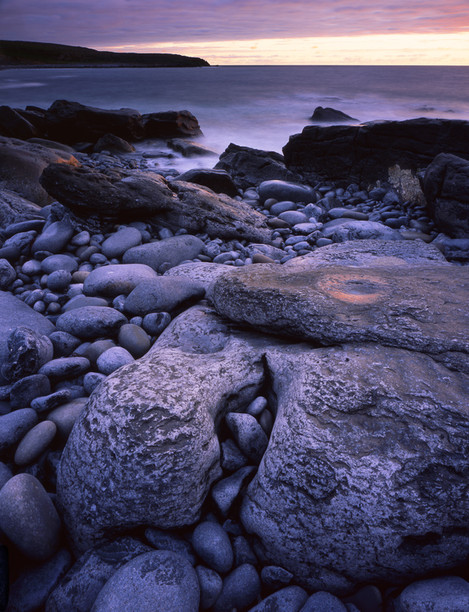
(120, 22)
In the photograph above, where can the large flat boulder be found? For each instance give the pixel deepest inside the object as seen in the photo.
(365, 475)
(21, 165)
(446, 189)
(421, 307)
(175, 205)
(154, 451)
(72, 122)
(364, 153)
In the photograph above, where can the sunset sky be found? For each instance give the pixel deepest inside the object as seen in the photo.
(253, 31)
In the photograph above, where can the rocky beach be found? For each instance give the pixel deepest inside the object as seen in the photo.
(238, 388)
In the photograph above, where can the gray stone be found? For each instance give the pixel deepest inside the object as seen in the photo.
(119, 242)
(257, 406)
(292, 217)
(241, 589)
(90, 322)
(111, 281)
(94, 349)
(289, 599)
(361, 432)
(243, 552)
(282, 190)
(210, 586)
(5, 474)
(14, 426)
(169, 252)
(65, 367)
(27, 352)
(217, 180)
(60, 261)
(15, 209)
(12, 311)
(284, 205)
(28, 517)
(163, 294)
(248, 434)
(81, 585)
(59, 280)
(134, 339)
(445, 594)
(153, 422)
(203, 273)
(113, 359)
(30, 591)
(225, 491)
(165, 540)
(333, 304)
(54, 237)
(91, 380)
(323, 602)
(7, 274)
(35, 442)
(25, 390)
(64, 343)
(156, 581)
(213, 546)
(48, 402)
(359, 230)
(274, 576)
(156, 322)
(82, 300)
(232, 458)
(65, 416)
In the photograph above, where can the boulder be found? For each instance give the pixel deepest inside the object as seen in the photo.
(285, 191)
(21, 165)
(446, 190)
(249, 167)
(154, 453)
(175, 205)
(388, 304)
(364, 476)
(330, 115)
(168, 252)
(15, 209)
(71, 122)
(163, 294)
(171, 124)
(189, 149)
(113, 144)
(218, 181)
(364, 153)
(13, 125)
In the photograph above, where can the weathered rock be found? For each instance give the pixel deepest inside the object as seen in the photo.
(113, 144)
(153, 424)
(448, 594)
(168, 252)
(248, 167)
(364, 153)
(14, 208)
(79, 588)
(90, 322)
(330, 115)
(350, 229)
(163, 294)
(362, 432)
(21, 165)
(218, 181)
(201, 272)
(27, 352)
(13, 125)
(71, 122)
(171, 124)
(289, 599)
(13, 311)
(332, 304)
(156, 581)
(446, 189)
(118, 279)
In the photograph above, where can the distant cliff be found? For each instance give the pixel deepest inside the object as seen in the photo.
(20, 53)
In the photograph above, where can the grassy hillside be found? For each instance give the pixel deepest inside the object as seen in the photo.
(20, 53)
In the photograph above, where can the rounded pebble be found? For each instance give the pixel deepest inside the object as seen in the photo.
(240, 589)
(134, 339)
(112, 359)
(211, 585)
(213, 546)
(35, 442)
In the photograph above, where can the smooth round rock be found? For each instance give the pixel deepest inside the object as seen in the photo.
(111, 281)
(155, 322)
(48, 402)
(28, 388)
(212, 544)
(28, 517)
(59, 280)
(119, 242)
(54, 237)
(113, 359)
(134, 339)
(14, 426)
(323, 602)
(7, 274)
(159, 581)
(91, 380)
(59, 262)
(169, 252)
(28, 350)
(240, 589)
(289, 599)
(65, 367)
(274, 576)
(5, 474)
(80, 300)
(97, 348)
(91, 322)
(64, 343)
(248, 434)
(445, 594)
(35, 442)
(65, 416)
(211, 585)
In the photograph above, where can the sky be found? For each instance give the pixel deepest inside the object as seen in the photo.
(253, 31)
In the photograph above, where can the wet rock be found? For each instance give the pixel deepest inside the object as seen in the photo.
(171, 124)
(120, 241)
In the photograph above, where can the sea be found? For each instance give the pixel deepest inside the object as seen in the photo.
(254, 106)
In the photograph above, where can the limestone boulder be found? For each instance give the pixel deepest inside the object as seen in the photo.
(154, 451)
(446, 189)
(21, 165)
(365, 475)
(421, 307)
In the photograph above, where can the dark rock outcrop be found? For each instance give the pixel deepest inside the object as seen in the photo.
(330, 115)
(171, 124)
(446, 189)
(248, 167)
(364, 153)
(13, 125)
(218, 181)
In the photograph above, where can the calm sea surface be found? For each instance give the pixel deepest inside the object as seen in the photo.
(256, 106)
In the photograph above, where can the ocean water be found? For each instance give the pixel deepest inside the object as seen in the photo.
(255, 106)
